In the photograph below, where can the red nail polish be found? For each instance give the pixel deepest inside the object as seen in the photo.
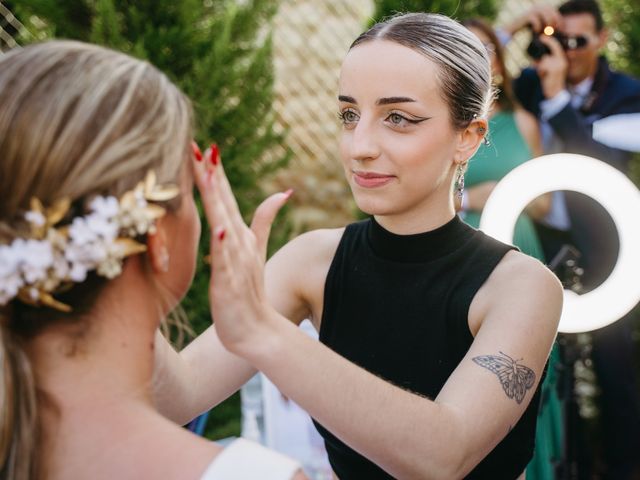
(221, 234)
(196, 151)
(214, 154)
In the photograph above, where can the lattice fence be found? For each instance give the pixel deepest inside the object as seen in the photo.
(311, 38)
(11, 29)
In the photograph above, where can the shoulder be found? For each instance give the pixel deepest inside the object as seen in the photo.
(520, 268)
(246, 459)
(316, 245)
(623, 83)
(297, 272)
(528, 126)
(520, 289)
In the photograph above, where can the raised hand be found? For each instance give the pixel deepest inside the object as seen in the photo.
(552, 68)
(537, 17)
(239, 307)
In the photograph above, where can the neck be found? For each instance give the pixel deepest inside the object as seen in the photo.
(419, 220)
(97, 368)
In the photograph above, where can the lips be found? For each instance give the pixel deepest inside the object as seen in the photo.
(371, 179)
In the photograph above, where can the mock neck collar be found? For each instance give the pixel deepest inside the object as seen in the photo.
(418, 247)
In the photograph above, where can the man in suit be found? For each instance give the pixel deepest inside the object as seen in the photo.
(569, 88)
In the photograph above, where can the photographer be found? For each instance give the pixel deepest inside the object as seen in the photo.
(569, 86)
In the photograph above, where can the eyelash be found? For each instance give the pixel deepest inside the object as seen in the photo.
(342, 116)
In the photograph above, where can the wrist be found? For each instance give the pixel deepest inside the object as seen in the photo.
(263, 340)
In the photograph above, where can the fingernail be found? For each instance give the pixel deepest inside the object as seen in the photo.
(288, 193)
(196, 151)
(221, 233)
(214, 154)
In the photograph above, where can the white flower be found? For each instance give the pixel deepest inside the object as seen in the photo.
(102, 227)
(80, 233)
(8, 261)
(106, 207)
(9, 286)
(78, 272)
(70, 253)
(35, 218)
(110, 268)
(84, 257)
(10, 279)
(35, 258)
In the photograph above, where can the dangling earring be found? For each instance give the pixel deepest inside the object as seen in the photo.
(459, 183)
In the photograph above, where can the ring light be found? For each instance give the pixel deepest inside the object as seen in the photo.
(620, 292)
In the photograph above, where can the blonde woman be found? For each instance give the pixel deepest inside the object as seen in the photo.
(98, 239)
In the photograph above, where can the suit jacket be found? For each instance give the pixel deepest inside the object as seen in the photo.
(612, 93)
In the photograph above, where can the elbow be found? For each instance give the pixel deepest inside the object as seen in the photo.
(449, 458)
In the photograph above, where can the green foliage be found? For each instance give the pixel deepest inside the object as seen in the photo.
(458, 9)
(220, 54)
(622, 18)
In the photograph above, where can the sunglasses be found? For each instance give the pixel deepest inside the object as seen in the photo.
(571, 42)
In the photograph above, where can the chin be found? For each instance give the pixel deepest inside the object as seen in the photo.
(372, 206)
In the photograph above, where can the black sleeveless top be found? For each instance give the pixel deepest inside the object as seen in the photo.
(397, 305)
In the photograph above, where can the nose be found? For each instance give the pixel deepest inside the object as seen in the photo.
(363, 142)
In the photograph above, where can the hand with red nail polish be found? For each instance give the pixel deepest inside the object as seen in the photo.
(237, 292)
(196, 151)
(214, 154)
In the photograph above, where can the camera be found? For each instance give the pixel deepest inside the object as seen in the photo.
(536, 48)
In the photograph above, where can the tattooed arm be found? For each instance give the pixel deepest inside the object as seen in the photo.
(493, 385)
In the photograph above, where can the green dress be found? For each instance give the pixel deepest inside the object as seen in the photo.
(506, 151)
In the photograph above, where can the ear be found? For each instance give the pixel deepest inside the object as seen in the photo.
(603, 35)
(157, 249)
(469, 140)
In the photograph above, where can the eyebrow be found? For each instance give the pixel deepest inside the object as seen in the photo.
(380, 101)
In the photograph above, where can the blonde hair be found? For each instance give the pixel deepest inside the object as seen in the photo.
(76, 120)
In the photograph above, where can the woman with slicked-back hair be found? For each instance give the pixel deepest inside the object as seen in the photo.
(433, 336)
(98, 240)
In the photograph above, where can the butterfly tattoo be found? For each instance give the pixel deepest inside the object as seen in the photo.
(515, 379)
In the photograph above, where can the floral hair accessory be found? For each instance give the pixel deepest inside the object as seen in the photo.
(53, 258)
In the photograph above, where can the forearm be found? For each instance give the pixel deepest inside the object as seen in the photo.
(407, 435)
(193, 381)
(479, 194)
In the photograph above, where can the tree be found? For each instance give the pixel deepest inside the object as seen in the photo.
(453, 8)
(220, 53)
(623, 20)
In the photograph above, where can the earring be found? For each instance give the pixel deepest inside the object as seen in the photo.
(483, 131)
(459, 183)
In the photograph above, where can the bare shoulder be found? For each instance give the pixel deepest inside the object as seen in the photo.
(316, 246)
(518, 285)
(296, 274)
(517, 272)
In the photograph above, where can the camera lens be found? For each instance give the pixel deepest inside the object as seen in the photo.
(537, 49)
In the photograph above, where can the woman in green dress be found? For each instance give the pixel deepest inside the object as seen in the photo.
(514, 138)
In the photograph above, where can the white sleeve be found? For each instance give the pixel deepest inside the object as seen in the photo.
(552, 106)
(246, 460)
